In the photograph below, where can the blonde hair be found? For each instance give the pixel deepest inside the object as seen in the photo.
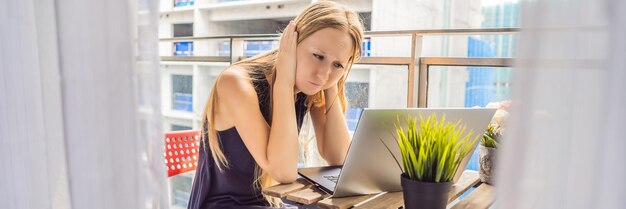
(317, 16)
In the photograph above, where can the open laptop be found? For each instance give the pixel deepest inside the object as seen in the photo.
(368, 167)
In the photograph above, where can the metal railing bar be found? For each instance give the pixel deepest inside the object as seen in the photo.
(464, 61)
(427, 32)
(196, 58)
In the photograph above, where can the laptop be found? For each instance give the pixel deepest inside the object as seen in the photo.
(369, 168)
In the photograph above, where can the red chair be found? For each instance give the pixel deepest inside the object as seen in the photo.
(181, 151)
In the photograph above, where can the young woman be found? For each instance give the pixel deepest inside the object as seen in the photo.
(255, 110)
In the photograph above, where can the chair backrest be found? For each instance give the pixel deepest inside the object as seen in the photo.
(181, 151)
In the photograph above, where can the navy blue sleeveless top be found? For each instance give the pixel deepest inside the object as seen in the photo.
(234, 187)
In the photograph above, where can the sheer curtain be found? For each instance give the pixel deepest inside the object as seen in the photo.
(79, 92)
(565, 148)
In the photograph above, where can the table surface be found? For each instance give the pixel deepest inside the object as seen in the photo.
(303, 192)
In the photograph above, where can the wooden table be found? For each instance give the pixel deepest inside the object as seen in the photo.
(302, 192)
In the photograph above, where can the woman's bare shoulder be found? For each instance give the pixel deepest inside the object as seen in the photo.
(235, 82)
(236, 95)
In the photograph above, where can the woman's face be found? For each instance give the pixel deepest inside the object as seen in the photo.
(322, 59)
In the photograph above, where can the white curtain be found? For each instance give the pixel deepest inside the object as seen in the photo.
(564, 147)
(80, 124)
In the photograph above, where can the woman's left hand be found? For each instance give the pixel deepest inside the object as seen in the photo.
(330, 96)
(331, 92)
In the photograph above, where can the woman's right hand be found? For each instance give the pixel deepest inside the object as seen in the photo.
(286, 60)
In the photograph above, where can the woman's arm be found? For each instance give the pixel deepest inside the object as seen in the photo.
(274, 148)
(331, 130)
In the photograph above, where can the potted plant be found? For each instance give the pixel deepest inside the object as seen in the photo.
(490, 142)
(431, 153)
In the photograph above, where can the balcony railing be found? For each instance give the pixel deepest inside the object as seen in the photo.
(418, 65)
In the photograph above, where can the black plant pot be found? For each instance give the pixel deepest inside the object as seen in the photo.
(427, 195)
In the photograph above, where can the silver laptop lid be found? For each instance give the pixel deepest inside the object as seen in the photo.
(369, 168)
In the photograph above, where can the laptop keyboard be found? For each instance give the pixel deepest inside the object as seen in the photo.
(332, 178)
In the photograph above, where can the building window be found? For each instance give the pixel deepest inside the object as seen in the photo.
(183, 48)
(252, 48)
(358, 95)
(182, 30)
(183, 3)
(180, 189)
(182, 92)
(179, 128)
(224, 49)
(366, 47)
